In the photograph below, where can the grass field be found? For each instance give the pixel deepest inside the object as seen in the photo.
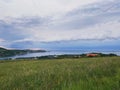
(102, 73)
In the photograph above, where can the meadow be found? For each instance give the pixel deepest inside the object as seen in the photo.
(100, 73)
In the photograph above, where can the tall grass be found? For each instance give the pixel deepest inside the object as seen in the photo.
(101, 73)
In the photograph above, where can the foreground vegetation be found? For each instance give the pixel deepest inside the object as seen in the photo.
(100, 73)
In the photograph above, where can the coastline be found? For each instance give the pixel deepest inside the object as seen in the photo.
(60, 56)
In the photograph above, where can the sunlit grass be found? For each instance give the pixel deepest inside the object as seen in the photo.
(102, 73)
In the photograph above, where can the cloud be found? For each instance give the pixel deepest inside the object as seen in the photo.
(18, 8)
(98, 32)
(89, 15)
(1, 40)
(57, 21)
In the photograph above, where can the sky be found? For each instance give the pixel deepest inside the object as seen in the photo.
(60, 24)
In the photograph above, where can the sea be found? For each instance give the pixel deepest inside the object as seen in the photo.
(62, 52)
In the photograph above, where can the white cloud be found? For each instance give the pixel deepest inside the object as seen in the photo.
(96, 26)
(1, 40)
(19, 8)
(98, 32)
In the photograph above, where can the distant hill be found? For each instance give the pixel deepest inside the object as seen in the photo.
(12, 52)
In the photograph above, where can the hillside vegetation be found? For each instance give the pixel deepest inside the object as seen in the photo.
(12, 52)
(100, 73)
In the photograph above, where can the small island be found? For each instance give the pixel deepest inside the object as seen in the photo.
(12, 52)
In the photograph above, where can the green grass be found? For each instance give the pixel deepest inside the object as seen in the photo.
(102, 73)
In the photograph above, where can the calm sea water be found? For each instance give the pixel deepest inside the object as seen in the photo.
(61, 52)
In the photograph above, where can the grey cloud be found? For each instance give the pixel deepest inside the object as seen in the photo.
(14, 29)
(90, 15)
(30, 21)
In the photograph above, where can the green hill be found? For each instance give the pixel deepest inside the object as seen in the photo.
(12, 52)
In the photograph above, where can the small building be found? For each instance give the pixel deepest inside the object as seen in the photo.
(91, 55)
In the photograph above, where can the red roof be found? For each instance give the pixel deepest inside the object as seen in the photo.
(92, 55)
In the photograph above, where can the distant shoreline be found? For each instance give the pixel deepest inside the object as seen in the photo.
(11, 54)
(85, 55)
(14, 52)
